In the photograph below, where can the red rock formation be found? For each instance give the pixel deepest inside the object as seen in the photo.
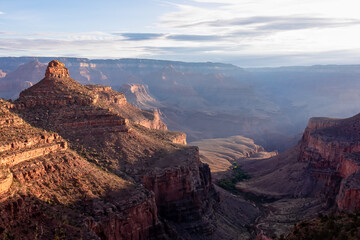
(115, 135)
(349, 193)
(136, 222)
(57, 89)
(52, 181)
(179, 138)
(56, 69)
(181, 193)
(332, 147)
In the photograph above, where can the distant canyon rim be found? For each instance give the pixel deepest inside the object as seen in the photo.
(97, 149)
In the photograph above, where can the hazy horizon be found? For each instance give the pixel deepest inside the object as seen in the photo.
(196, 62)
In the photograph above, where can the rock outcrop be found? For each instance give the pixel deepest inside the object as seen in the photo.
(182, 195)
(103, 127)
(57, 89)
(332, 148)
(56, 69)
(48, 188)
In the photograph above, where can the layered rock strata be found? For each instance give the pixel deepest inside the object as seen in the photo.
(57, 89)
(332, 148)
(129, 142)
(53, 192)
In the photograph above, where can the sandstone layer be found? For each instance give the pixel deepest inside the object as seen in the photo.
(48, 191)
(104, 128)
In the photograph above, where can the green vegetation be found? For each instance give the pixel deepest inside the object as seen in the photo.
(330, 227)
(237, 175)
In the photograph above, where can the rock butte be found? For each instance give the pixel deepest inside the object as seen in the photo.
(56, 69)
(164, 178)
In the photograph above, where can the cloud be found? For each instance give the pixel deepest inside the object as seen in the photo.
(1, 13)
(197, 38)
(139, 36)
(183, 50)
(104, 48)
(275, 23)
(262, 31)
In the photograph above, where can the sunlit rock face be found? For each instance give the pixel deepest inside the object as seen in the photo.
(56, 69)
(100, 124)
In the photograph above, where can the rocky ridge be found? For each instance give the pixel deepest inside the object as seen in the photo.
(49, 191)
(108, 131)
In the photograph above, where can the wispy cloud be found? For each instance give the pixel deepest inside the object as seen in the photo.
(139, 36)
(282, 22)
(277, 32)
(196, 38)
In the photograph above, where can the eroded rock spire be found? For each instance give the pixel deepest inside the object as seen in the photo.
(56, 69)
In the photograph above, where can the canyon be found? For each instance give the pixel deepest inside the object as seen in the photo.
(149, 184)
(190, 97)
(110, 155)
(269, 105)
(319, 175)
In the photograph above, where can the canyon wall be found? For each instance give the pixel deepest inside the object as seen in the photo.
(40, 177)
(332, 148)
(133, 144)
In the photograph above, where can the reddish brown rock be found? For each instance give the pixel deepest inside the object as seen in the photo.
(179, 138)
(331, 147)
(48, 191)
(182, 195)
(56, 69)
(350, 163)
(129, 142)
(349, 193)
(57, 89)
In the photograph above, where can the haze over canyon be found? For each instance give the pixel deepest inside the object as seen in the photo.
(106, 149)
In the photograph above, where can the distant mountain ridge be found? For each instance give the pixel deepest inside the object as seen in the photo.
(269, 105)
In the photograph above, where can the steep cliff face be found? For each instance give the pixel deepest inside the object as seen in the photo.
(139, 96)
(183, 193)
(332, 148)
(48, 191)
(349, 193)
(129, 142)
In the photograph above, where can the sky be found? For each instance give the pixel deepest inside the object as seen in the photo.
(247, 33)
